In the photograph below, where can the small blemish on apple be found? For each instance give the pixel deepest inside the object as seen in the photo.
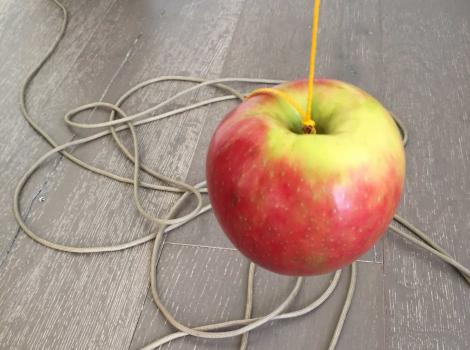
(234, 199)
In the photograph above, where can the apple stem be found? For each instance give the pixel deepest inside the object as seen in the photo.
(309, 129)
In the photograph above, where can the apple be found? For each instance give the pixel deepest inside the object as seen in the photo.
(305, 204)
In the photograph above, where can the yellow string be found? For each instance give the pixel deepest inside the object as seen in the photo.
(309, 124)
(313, 50)
(282, 95)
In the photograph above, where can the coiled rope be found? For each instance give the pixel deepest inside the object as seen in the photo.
(120, 121)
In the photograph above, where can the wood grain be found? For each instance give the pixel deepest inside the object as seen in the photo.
(217, 278)
(265, 34)
(414, 55)
(426, 69)
(199, 285)
(24, 42)
(72, 301)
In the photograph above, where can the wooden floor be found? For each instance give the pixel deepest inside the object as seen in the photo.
(414, 55)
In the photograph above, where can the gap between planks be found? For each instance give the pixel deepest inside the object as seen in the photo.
(234, 249)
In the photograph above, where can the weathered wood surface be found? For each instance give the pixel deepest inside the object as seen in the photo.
(426, 67)
(414, 55)
(27, 30)
(52, 300)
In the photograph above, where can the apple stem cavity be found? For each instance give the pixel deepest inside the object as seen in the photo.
(307, 121)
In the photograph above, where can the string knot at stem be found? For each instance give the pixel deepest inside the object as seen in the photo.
(308, 123)
(309, 127)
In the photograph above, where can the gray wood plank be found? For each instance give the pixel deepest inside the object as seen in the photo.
(83, 302)
(202, 285)
(26, 32)
(363, 328)
(350, 41)
(199, 285)
(426, 70)
(273, 41)
(59, 300)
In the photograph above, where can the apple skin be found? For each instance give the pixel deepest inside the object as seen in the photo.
(306, 204)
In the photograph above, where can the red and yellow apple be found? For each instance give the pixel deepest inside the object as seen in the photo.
(305, 204)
